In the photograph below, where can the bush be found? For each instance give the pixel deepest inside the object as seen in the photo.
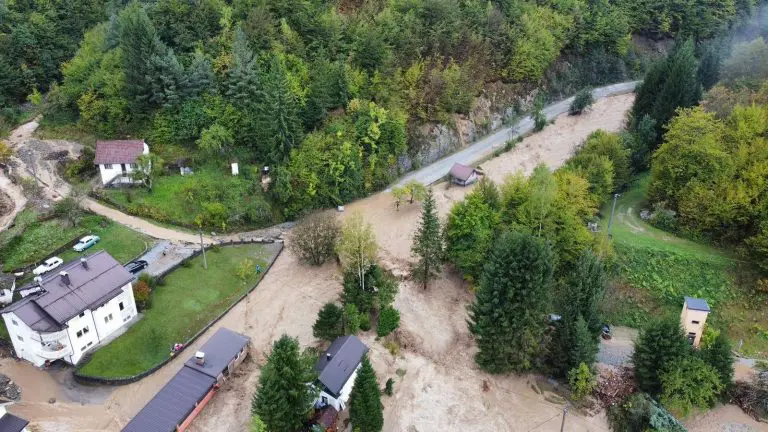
(582, 381)
(150, 280)
(389, 320)
(350, 319)
(82, 168)
(388, 387)
(365, 322)
(314, 237)
(539, 120)
(688, 384)
(142, 295)
(245, 269)
(640, 413)
(328, 325)
(581, 101)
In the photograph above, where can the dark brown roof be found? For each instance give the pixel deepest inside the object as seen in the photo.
(118, 152)
(11, 423)
(346, 353)
(461, 172)
(90, 287)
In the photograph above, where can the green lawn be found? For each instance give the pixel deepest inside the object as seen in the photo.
(655, 269)
(39, 240)
(177, 199)
(189, 299)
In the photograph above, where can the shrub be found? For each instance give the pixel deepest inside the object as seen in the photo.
(150, 280)
(582, 381)
(640, 413)
(314, 237)
(187, 263)
(82, 168)
(365, 322)
(687, 384)
(389, 320)
(581, 102)
(5, 152)
(388, 387)
(142, 295)
(393, 348)
(539, 120)
(328, 325)
(246, 269)
(351, 319)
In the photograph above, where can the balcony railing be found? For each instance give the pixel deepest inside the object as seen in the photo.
(54, 351)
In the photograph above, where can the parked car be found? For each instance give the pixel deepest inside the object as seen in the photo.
(48, 265)
(136, 266)
(85, 243)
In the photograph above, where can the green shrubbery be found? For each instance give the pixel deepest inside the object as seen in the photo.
(581, 101)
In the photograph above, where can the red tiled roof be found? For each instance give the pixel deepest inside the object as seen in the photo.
(461, 172)
(118, 152)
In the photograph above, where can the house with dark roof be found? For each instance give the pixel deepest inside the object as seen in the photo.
(11, 423)
(177, 404)
(71, 312)
(117, 159)
(693, 317)
(463, 175)
(336, 371)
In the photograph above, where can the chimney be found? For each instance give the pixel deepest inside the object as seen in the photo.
(84, 263)
(200, 358)
(64, 277)
(328, 356)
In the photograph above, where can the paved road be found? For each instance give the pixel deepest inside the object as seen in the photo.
(485, 146)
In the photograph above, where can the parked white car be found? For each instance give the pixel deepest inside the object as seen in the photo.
(85, 243)
(48, 265)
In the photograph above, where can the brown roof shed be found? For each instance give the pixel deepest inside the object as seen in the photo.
(118, 151)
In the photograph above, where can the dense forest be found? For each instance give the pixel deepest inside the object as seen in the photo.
(330, 94)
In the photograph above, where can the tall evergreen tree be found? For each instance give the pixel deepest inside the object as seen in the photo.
(139, 44)
(243, 84)
(428, 242)
(283, 400)
(719, 356)
(277, 111)
(585, 344)
(200, 76)
(507, 317)
(328, 325)
(166, 81)
(660, 344)
(365, 401)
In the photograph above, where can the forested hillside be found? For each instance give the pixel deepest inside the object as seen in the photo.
(330, 94)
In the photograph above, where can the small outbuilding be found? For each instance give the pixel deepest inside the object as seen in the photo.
(117, 159)
(11, 423)
(463, 175)
(693, 318)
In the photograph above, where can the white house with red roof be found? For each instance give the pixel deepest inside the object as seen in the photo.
(117, 159)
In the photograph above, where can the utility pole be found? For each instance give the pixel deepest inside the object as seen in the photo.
(202, 247)
(565, 411)
(610, 220)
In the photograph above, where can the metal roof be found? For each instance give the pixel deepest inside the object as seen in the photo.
(461, 172)
(173, 403)
(697, 304)
(118, 151)
(346, 353)
(90, 286)
(219, 350)
(11, 423)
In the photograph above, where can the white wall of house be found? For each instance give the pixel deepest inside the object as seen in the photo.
(82, 333)
(110, 171)
(340, 403)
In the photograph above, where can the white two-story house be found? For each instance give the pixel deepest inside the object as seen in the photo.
(337, 370)
(117, 159)
(77, 308)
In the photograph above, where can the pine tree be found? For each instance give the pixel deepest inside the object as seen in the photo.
(428, 242)
(277, 114)
(283, 400)
(660, 344)
(166, 81)
(243, 84)
(719, 356)
(200, 76)
(365, 410)
(507, 317)
(585, 344)
(138, 43)
(328, 325)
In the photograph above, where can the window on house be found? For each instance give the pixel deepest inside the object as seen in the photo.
(108, 318)
(20, 338)
(107, 166)
(90, 343)
(79, 333)
(82, 349)
(325, 400)
(122, 306)
(14, 322)
(134, 166)
(85, 330)
(82, 314)
(694, 322)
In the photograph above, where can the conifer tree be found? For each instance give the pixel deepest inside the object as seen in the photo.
(277, 110)
(365, 401)
(660, 344)
(507, 317)
(283, 400)
(166, 81)
(138, 43)
(200, 76)
(585, 344)
(719, 356)
(243, 84)
(328, 325)
(428, 242)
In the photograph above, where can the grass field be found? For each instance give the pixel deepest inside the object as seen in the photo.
(179, 199)
(189, 299)
(39, 240)
(655, 269)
